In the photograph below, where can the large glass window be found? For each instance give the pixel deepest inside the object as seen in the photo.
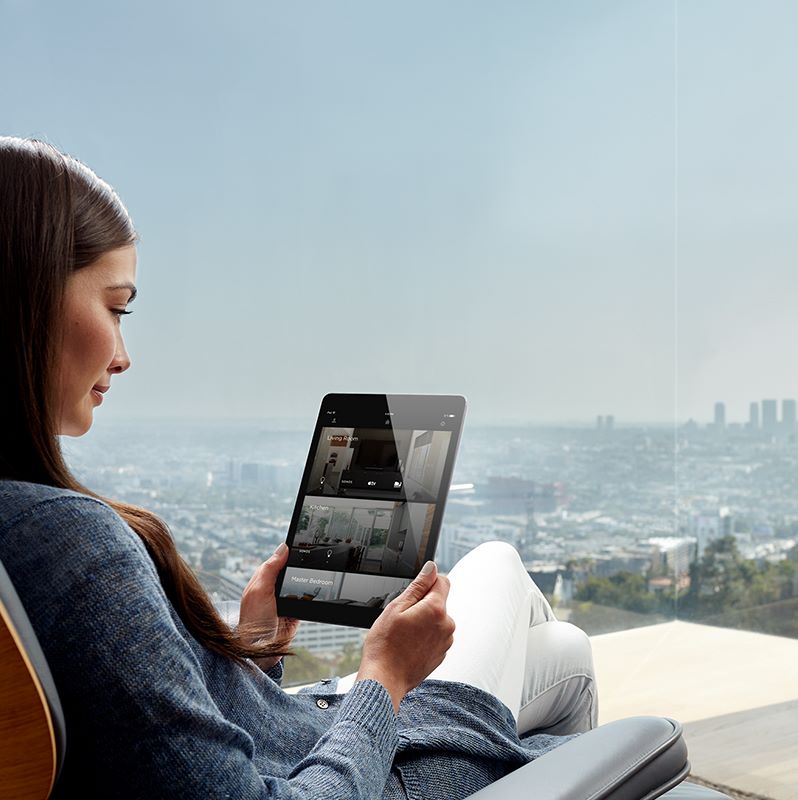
(582, 216)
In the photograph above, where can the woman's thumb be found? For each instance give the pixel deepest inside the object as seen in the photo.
(420, 586)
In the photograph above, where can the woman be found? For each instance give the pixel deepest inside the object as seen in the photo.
(161, 698)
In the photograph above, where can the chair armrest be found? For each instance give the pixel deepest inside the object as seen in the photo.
(638, 758)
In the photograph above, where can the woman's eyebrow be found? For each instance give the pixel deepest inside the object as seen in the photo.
(130, 286)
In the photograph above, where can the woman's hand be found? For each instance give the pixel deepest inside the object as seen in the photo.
(410, 637)
(259, 605)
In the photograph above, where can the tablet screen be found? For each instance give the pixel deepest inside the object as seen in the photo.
(370, 504)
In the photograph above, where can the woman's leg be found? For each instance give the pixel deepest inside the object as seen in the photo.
(508, 642)
(493, 601)
(547, 665)
(559, 694)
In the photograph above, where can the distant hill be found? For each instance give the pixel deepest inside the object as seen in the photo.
(594, 619)
(777, 619)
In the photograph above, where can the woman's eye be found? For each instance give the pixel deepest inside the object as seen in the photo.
(120, 312)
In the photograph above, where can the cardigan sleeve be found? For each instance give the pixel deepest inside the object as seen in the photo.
(139, 715)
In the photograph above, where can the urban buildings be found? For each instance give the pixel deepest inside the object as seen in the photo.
(720, 415)
(574, 501)
(771, 424)
(770, 418)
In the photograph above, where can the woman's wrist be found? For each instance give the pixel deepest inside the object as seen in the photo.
(395, 688)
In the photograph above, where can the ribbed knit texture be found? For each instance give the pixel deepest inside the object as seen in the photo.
(151, 713)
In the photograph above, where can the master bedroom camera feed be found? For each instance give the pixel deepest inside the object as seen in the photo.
(357, 591)
(368, 536)
(386, 464)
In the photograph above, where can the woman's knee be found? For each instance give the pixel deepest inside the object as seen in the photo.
(489, 562)
(498, 551)
(574, 653)
(560, 694)
(489, 559)
(576, 643)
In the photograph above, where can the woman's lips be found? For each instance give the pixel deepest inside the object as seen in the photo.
(97, 393)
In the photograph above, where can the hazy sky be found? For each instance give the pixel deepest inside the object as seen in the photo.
(557, 209)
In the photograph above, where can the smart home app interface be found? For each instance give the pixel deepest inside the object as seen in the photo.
(366, 516)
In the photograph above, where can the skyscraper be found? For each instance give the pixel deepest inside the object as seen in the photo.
(770, 420)
(788, 416)
(720, 415)
(753, 416)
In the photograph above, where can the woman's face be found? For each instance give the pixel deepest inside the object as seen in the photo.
(92, 349)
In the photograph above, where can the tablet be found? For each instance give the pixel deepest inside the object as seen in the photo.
(370, 505)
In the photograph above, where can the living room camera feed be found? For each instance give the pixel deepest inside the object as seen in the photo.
(359, 591)
(376, 463)
(382, 537)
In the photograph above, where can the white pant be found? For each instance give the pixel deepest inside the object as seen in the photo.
(509, 643)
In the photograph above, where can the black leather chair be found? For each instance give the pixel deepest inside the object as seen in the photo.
(639, 758)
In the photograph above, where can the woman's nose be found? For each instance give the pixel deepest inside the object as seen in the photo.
(121, 360)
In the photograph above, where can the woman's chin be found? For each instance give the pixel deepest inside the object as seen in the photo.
(77, 425)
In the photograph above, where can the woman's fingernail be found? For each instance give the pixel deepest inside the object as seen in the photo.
(281, 549)
(427, 568)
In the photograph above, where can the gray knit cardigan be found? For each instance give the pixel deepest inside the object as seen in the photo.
(151, 713)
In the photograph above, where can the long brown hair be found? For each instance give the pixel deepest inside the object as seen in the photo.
(57, 216)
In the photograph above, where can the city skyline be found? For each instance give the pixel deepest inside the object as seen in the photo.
(558, 495)
(762, 414)
(785, 410)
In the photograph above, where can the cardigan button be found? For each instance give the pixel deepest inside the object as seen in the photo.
(322, 703)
